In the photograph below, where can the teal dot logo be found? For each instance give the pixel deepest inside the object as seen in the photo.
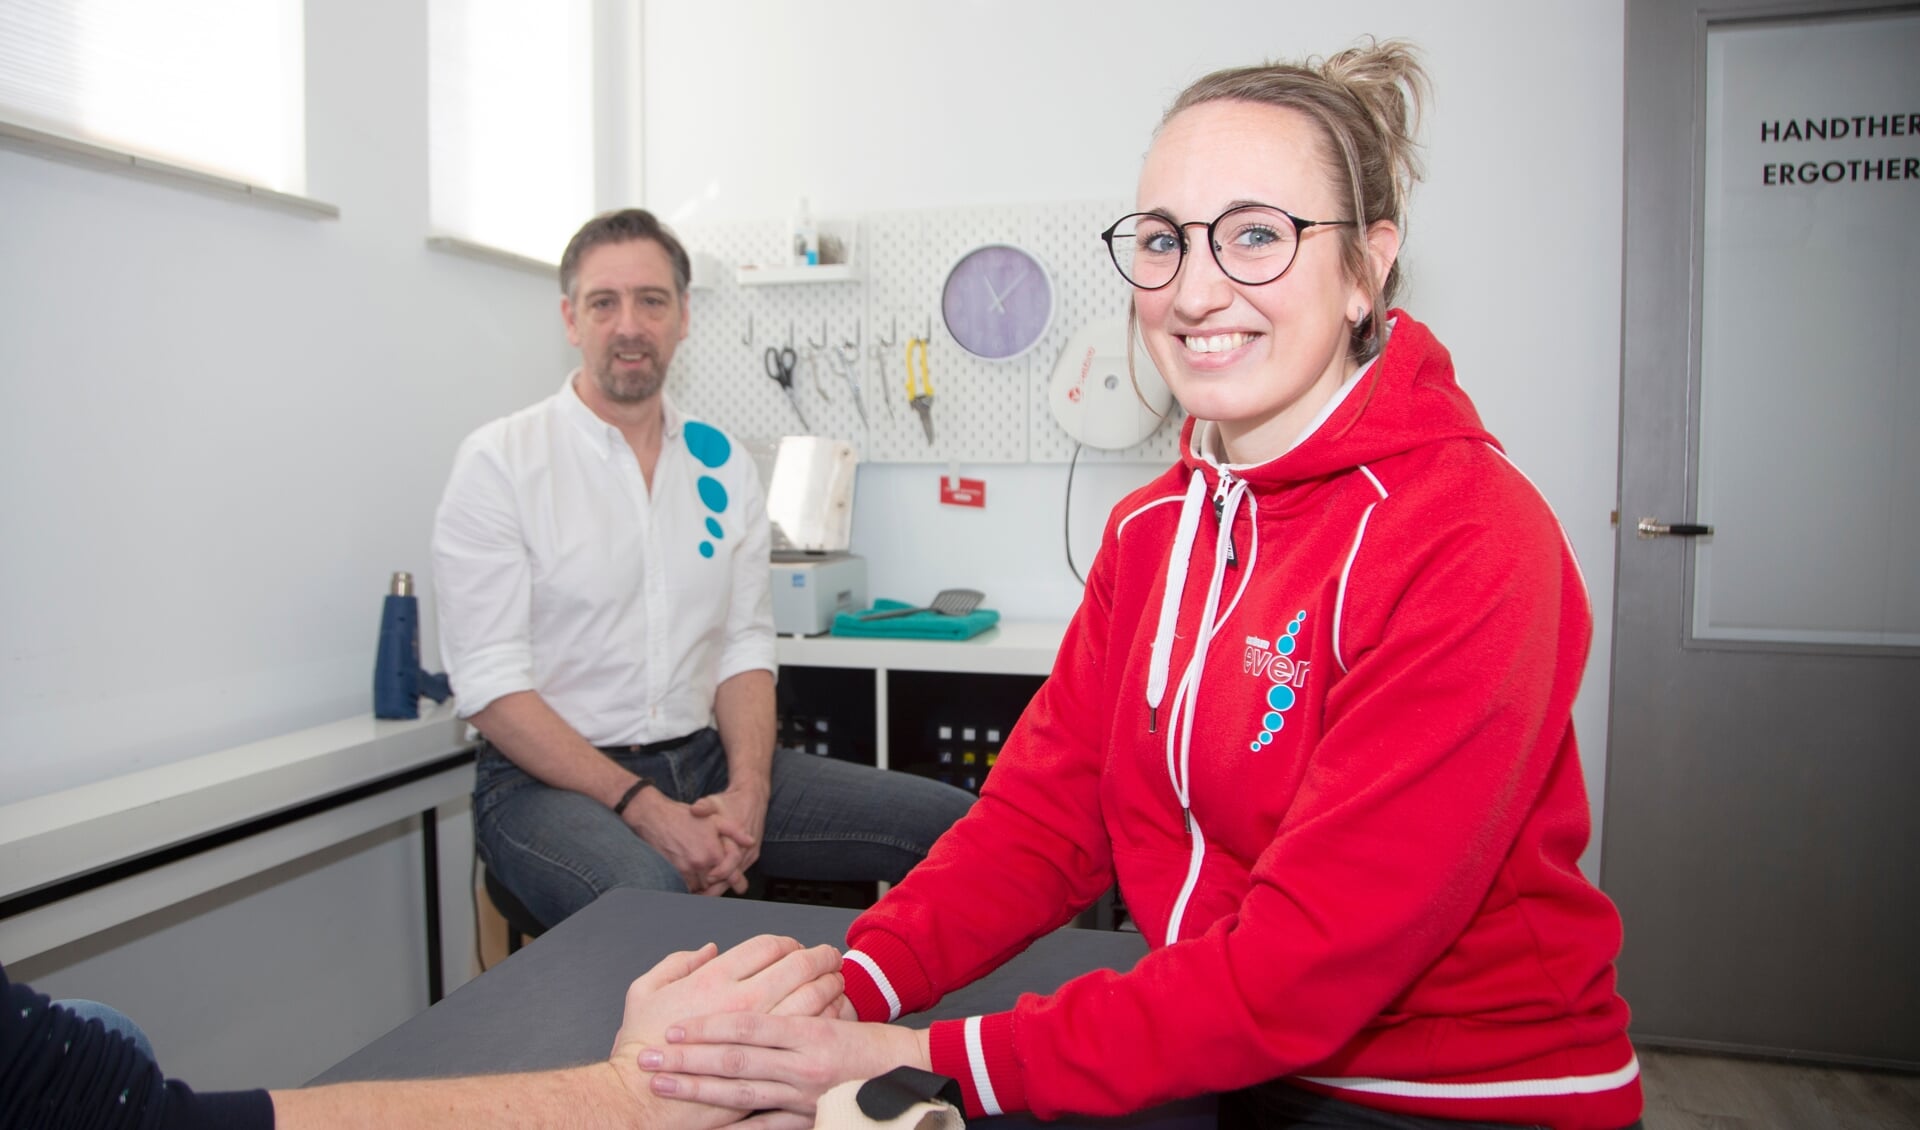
(707, 443)
(1280, 697)
(711, 447)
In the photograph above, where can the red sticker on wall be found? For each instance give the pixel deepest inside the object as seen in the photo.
(963, 492)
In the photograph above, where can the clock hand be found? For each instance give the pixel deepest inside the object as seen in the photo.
(992, 294)
(1015, 284)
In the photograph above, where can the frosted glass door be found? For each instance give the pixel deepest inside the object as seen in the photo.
(1809, 444)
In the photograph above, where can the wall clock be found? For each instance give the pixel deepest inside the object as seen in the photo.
(997, 301)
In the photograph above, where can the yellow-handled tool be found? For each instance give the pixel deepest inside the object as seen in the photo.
(920, 399)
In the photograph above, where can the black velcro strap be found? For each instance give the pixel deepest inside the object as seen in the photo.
(884, 1098)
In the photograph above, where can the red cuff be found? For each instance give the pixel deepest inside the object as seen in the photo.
(991, 1081)
(869, 1003)
(899, 969)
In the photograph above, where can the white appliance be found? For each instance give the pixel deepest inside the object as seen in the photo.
(1097, 401)
(808, 592)
(810, 496)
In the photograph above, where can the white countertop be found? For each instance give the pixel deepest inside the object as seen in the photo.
(1012, 647)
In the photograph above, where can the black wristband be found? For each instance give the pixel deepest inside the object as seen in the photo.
(633, 790)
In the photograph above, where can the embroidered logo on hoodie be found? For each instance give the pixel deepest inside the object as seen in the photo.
(1275, 661)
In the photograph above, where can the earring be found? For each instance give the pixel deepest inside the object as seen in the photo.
(1357, 315)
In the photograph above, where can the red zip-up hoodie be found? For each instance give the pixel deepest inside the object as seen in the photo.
(1335, 776)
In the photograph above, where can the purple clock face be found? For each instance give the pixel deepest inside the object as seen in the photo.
(997, 301)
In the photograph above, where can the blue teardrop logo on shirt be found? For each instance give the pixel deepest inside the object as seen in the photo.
(711, 447)
(1288, 675)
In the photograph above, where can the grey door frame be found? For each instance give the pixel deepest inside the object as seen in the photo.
(1752, 875)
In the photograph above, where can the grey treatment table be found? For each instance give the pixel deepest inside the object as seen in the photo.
(557, 1002)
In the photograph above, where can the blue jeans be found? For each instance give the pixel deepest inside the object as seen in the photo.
(112, 1019)
(558, 850)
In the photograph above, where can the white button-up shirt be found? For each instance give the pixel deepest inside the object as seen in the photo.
(555, 570)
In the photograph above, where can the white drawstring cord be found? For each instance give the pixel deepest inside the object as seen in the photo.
(1187, 696)
(1176, 587)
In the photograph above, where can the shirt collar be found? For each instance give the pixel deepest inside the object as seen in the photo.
(603, 438)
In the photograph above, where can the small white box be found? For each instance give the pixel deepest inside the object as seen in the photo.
(808, 593)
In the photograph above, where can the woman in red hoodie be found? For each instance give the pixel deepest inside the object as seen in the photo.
(1313, 714)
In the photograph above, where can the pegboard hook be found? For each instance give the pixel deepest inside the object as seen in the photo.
(748, 340)
(822, 343)
(789, 333)
(855, 341)
(892, 338)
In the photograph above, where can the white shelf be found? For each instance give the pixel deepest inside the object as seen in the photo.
(783, 276)
(1018, 647)
(49, 838)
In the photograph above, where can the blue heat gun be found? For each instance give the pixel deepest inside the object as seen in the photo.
(398, 681)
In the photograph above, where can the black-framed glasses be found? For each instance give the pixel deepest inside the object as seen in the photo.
(1253, 243)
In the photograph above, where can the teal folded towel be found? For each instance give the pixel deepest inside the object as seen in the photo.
(918, 626)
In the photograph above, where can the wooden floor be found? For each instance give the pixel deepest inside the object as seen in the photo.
(1687, 1091)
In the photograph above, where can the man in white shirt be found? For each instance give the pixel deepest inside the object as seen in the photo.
(601, 577)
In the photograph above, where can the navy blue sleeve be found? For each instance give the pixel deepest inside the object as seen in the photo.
(57, 1070)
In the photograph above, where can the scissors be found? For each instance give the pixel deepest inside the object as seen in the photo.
(780, 363)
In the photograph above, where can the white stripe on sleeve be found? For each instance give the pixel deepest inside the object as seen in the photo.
(977, 1060)
(880, 979)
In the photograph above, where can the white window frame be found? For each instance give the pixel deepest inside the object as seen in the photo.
(617, 92)
(48, 140)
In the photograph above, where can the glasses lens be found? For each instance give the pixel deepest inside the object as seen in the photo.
(1255, 245)
(1146, 248)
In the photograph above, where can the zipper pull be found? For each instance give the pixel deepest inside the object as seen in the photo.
(1219, 516)
(1188, 814)
(1153, 719)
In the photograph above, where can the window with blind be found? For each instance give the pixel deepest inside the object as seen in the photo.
(217, 86)
(512, 150)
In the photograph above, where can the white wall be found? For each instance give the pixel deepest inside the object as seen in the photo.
(1513, 247)
(222, 426)
(269, 981)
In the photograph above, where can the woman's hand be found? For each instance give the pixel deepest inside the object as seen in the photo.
(760, 974)
(754, 1062)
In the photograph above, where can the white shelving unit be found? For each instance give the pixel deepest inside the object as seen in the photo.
(1009, 648)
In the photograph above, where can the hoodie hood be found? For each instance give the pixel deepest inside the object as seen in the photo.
(1405, 398)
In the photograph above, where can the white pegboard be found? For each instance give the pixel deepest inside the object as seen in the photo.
(983, 411)
(1086, 288)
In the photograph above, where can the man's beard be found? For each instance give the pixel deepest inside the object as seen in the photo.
(630, 388)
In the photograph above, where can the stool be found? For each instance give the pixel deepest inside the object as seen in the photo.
(521, 924)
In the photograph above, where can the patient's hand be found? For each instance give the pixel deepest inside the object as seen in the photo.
(763, 974)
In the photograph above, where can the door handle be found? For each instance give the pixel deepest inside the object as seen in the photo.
(1654, 528)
